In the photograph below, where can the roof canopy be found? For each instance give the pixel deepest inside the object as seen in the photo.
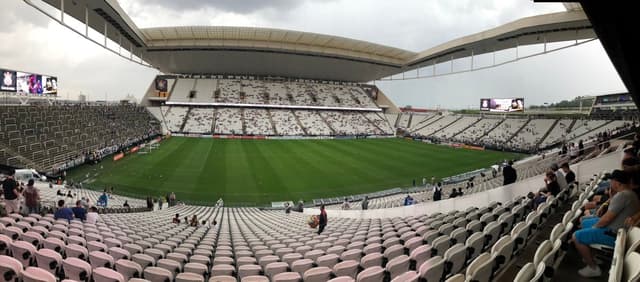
(277, 52)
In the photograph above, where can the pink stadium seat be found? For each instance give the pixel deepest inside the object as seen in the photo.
(143, 260)
(342, 279)
(119, 253)
(128, 269)
(254, 278)
(36, 274)
(103, 274)
(287, 277)
(157, 274)
(274, 268)
(76, 251)
(222, 270)
(49, 260)
(10, 268)
(346, 268)
(371, 260)
(328, 260)
(371, 274)
(197, 268)
(101, 259)
(409, 276)
(189, 277)
(398, 265)
(24, 252)
(76, 269)
(317, 274)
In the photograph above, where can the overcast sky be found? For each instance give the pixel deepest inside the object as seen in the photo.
(31, 42)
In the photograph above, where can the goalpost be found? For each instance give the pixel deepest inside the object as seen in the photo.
(149, 147)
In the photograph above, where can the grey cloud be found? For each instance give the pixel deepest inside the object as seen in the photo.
(234, 6)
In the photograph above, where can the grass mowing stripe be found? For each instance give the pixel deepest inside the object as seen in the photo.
(261, 171)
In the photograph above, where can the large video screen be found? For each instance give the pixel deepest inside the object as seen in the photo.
(25, 83)
(49, 85)
(9, 80)
(502, 104)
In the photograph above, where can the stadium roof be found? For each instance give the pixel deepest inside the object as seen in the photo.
(277, 52)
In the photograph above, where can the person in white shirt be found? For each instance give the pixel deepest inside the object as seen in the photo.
(93, 216)
(562, 182)
(345, 205)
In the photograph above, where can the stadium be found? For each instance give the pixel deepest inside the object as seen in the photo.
(266, 154)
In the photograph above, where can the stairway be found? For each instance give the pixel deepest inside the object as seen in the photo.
(517, 131)
(186, 117)
(472, 124)
(444, 127)
(273, 124)
(487, 132)
(555, 123)
(432, 120)
(409, 122)
(213, 122)
(244, 126)
(372, 123)
(333, 131)
(299, 122)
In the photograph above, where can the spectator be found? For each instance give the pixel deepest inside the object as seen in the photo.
(32, 197)
(287, 208)
(69, 195)
(407, 200)
(509, 173)
(424, 181)
(93, 216)
(365, 203)
(176, 219)
(345, 204)
(460, 192)
(214, 226)
(172, 199)
(149, 202)
(194, 221)
(323, 219)
(453, 194)
(79, 212)
(10, 188)
(300, 206)
(59, 193)
(437, 192)
(580, 148)
(623, 204)
(559, 177)
(220, 203)
(569, 175)
(186, 220)
(552, 185)
(63, 212)
(126, 204)
(103, 199)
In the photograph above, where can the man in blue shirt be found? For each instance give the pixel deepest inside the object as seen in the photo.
(63, 212)
(79, 211)
(102, 200)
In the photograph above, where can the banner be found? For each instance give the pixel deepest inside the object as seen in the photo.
(135, 149)
(118, 156)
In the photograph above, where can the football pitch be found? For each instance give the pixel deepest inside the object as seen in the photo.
(257, 172)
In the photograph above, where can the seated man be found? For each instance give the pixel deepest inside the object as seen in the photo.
(63, 212)
(603, 230)
(79, 211)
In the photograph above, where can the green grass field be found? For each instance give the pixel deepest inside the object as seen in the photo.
(260, 171)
